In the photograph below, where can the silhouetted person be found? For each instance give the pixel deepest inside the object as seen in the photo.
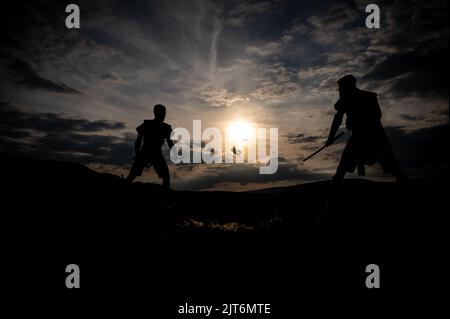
(368, 142)
(154, 133)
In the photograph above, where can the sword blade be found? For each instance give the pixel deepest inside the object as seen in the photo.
(321, 149)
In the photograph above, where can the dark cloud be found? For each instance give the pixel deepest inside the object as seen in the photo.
(410, 117)
(412, 25)
(49, 135)
(334, 17)
(14, 133)
(245, 11)
(51, 122)
(414, 73)
(112, 77)
(422, 147)
(30, 78)
(21, 18)
(88, 149)
(412, 48)
(406, 56)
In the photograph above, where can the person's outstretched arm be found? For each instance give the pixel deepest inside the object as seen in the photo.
(337, 121)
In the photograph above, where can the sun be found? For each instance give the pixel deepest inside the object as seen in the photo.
(240, 130)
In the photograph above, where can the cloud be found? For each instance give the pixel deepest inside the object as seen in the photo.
(409, 117)
(265, 49)
(112, 78)
(422, 147)
(55, 136)
(220, 97)
(30, 78)
(277, 82)
(303, 138)
(334, 17)
(408, 26)
(247, 10)
(406, 57)
(87, 149)
(276, 90)
(413, 73)
(327, 24)
(51, 122)
(315, 71)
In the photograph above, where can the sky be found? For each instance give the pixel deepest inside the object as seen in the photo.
(79, 94)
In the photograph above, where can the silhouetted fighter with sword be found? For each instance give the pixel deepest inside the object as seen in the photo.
(368, 142)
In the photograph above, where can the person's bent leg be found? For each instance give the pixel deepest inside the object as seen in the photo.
(347, 160)
(162, 170)
(389, 163)
(338, 177)
(166, 182)
(136, 169)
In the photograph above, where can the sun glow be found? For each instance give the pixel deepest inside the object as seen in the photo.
(240, 131)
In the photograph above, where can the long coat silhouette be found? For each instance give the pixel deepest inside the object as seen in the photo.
(368, 142)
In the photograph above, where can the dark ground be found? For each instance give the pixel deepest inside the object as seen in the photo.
(143, 250)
